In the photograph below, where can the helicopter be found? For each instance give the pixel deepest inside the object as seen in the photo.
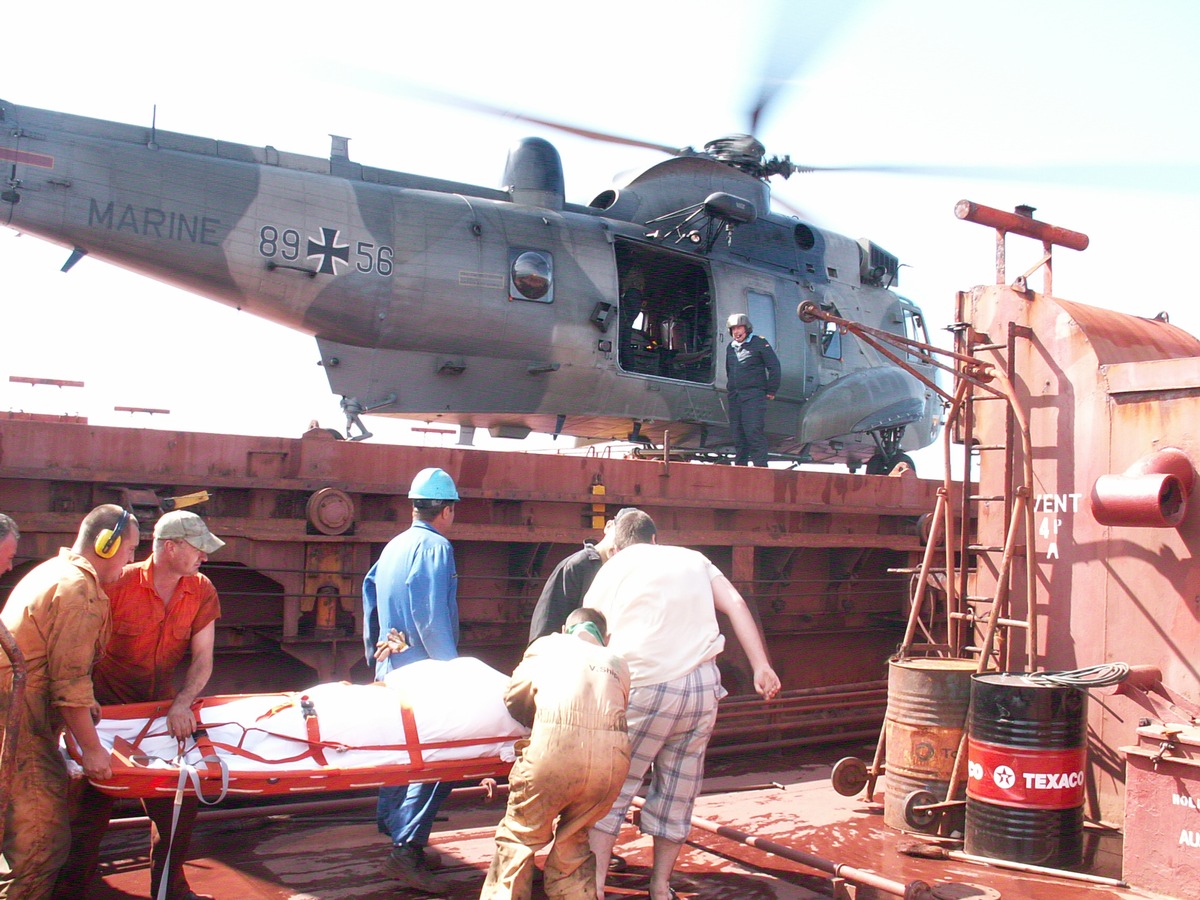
(510, 308)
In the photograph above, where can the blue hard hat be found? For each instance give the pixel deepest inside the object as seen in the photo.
(432, 484)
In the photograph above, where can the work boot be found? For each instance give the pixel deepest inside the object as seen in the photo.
(406, 864)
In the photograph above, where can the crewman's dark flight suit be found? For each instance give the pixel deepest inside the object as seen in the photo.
(751, 373)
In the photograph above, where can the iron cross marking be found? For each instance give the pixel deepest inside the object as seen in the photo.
(328, 251)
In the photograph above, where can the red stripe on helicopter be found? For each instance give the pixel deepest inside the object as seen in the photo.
(40, 160)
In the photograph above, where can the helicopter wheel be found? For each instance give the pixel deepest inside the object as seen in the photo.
(882, 465)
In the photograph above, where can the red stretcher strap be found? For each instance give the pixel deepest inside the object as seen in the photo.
(209, 755)
(312, 725)
(150, 720)
(415, 758)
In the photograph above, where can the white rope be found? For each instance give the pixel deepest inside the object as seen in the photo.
(1091, 677)
(188, 772)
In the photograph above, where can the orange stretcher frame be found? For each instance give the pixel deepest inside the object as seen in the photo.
(133, 777)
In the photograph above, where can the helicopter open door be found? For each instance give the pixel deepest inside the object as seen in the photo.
(665, 314)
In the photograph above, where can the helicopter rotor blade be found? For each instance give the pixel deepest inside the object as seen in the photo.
(890, 169)
(1173, 177)
(1160, 176)
(380, 82)
(580, 131)
(796, 38)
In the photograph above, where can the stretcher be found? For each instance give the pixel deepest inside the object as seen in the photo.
(431, 720)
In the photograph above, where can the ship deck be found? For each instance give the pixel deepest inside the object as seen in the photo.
(331, 850)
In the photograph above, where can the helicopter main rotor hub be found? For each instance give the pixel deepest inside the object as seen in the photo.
(739, 150)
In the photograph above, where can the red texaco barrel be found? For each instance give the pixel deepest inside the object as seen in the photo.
(1026, 771)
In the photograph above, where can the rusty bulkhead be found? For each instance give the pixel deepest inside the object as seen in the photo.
(816, 553)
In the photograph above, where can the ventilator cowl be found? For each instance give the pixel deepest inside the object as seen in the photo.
(1152, 493)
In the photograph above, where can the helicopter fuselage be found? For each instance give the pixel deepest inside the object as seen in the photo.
(509, 309)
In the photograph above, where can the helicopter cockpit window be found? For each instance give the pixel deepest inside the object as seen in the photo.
(665, 314)
(914, 330)
(831, 337)
(531, 276)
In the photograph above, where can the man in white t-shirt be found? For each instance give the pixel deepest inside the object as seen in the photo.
(661, 604)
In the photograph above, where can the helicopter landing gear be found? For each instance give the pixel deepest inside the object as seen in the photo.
(888, 455)
(354, 408)
(636, 436)
(883, 465)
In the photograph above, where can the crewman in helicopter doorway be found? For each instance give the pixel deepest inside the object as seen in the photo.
(752, 377)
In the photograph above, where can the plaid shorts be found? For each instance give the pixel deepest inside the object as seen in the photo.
(669, 728)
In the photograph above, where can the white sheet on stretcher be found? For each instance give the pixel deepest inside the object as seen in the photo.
(458, 699)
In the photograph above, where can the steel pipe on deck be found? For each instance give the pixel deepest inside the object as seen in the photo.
(914, 890)
(829, 727)
(828, 694)
(778, 710)
(836, 712)
(844, 737)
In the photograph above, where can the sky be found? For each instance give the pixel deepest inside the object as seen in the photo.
(1084, 109)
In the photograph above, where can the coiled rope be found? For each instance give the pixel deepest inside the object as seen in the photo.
(1090, 677)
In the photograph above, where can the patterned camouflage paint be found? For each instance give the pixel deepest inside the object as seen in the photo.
(404, 280)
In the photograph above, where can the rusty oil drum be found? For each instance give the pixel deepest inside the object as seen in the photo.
(927, 708)
(1026, 771)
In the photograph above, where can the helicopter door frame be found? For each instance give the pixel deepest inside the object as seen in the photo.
(912, 326)
(666, 314)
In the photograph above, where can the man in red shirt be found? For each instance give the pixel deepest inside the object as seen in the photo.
(161, 609)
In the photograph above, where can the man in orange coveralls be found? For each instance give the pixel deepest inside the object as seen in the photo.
(161, 608)
(573, 691)
(59, 616)
(9, 536)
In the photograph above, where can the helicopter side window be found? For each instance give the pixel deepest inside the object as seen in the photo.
(531, 276)
(831, 338)
(761, 309)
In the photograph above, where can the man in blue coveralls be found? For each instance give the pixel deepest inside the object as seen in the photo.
(410, 601)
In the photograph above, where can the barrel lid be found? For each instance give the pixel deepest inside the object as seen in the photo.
(937, 664)
(1015, 680)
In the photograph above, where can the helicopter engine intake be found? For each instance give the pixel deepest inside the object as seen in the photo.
(533, 174)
